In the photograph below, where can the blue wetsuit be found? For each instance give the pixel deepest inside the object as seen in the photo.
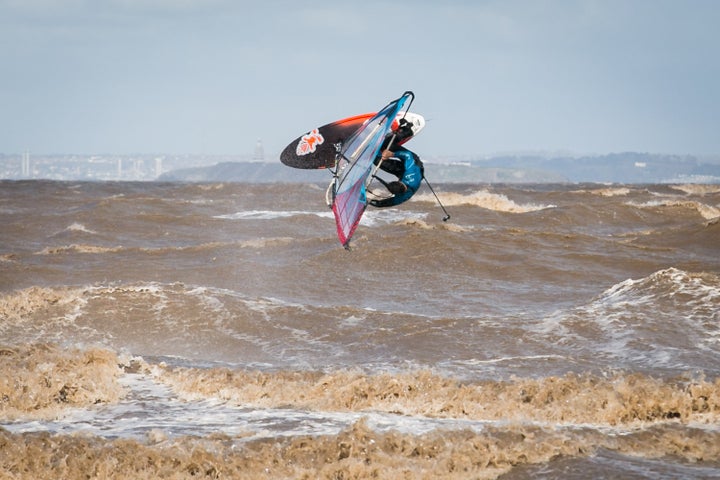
(408, 168)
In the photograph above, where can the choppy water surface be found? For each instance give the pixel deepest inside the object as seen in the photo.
(221, 331)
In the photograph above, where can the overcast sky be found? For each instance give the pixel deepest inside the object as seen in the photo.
(213, 76)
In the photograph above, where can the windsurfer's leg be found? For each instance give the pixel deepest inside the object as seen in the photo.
(329, 194)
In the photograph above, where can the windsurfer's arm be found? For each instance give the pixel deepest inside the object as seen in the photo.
(395, 187)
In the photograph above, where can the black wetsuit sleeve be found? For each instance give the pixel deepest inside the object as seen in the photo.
(393, 166)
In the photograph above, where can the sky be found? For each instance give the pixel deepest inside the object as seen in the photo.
(214, 76)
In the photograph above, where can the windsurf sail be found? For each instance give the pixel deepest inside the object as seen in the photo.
(355, 165)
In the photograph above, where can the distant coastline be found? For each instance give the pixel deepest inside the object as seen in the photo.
(627, 167)
(614, 168)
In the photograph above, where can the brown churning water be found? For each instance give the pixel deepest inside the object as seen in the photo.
(220, 331)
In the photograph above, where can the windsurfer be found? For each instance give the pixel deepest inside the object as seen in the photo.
(409, 170)
(400, 162)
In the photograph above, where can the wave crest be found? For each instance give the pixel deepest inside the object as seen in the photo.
(708, 212)
(78, 248)
(41, 380)
(570, 399)
(697, 189)
(483, 198)
(357, 452)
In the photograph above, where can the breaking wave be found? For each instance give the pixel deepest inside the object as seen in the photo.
(567, 400)
(697, 189)
(41, 380)
(76, 248)
(261, 242)
(667, 320)
(517, 422)
(708, 212)
(483, 199)
(272, 214)
(357, 452)
(78, 227)
(606, 192)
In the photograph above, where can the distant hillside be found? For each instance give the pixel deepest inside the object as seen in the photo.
(613, 168)
(628, 167)
(252, 172)
(256, 172)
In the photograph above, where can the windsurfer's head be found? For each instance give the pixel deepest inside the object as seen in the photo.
(403, 131)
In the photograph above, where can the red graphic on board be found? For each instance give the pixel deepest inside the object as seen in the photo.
(309, 142)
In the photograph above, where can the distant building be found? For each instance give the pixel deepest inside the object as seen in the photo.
(259, 154)
(25, 165)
